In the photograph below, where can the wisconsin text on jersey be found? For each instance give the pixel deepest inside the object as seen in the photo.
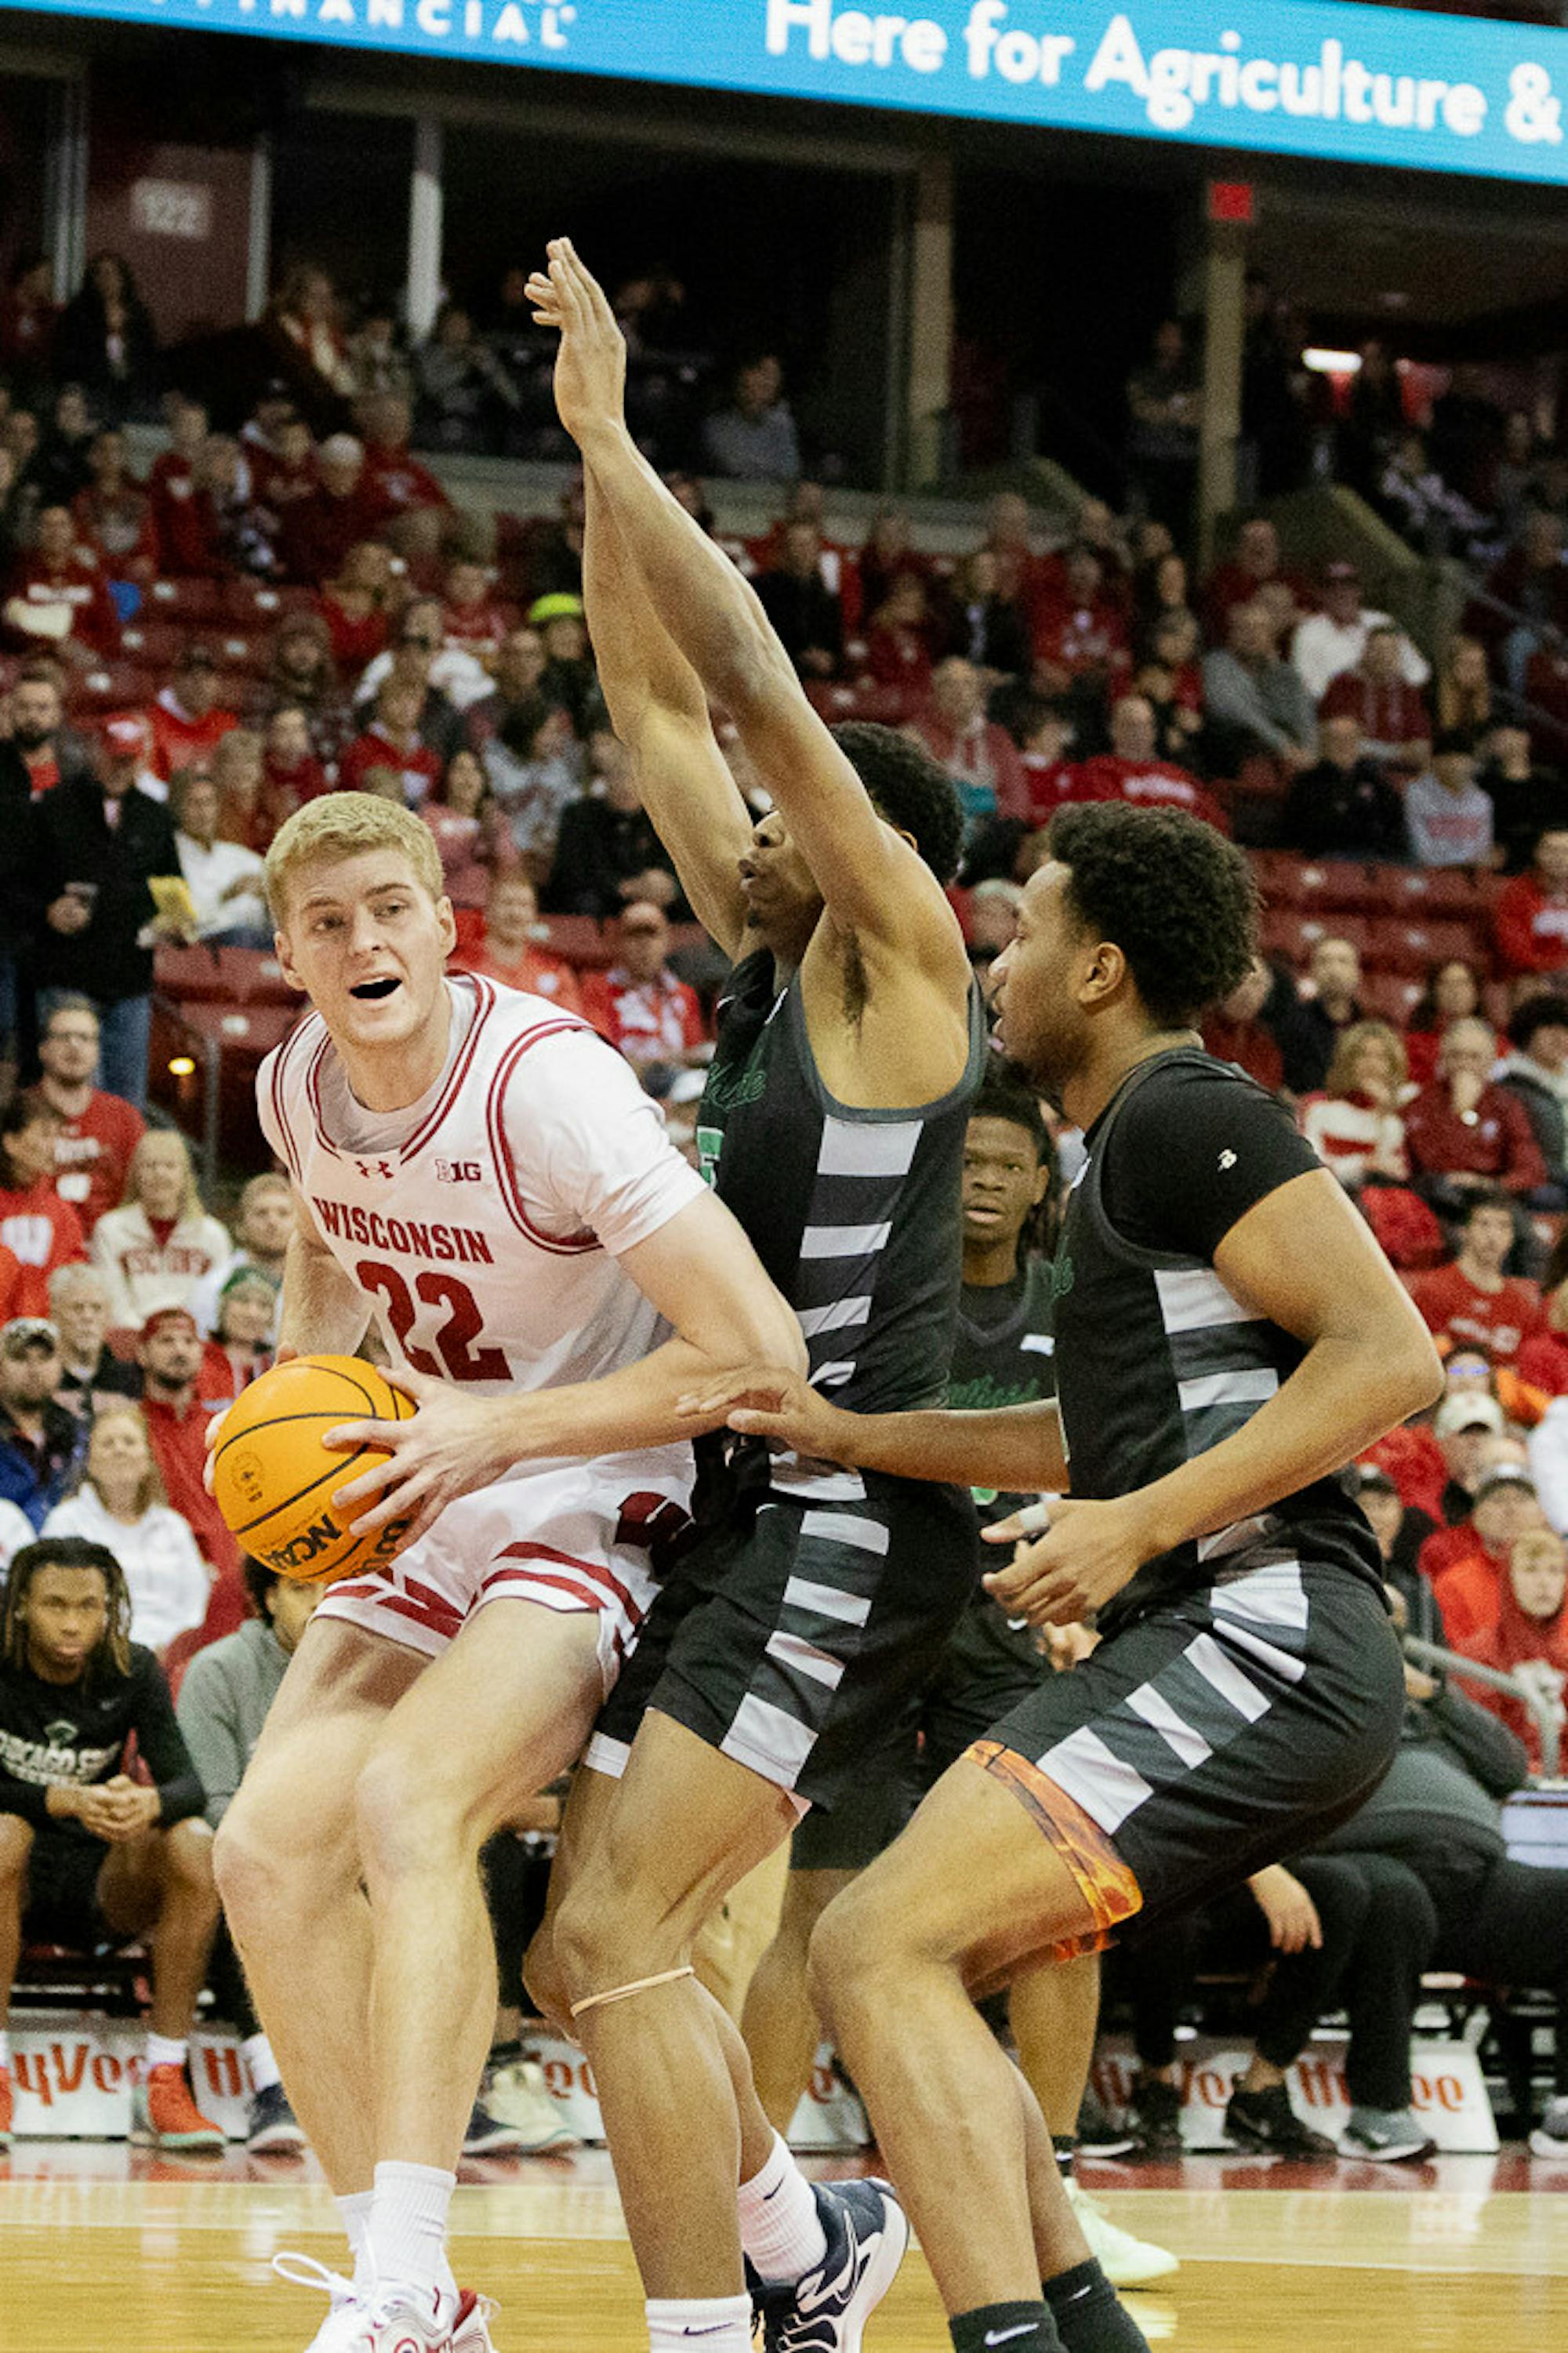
(410, 1237)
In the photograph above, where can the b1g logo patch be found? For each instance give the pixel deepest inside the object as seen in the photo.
(457, 1172)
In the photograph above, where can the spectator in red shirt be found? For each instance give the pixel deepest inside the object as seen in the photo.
(279, 449)
(1253, 561)
(1046, 733)
(1234, 1033)
(1453, 993)
(509, 952)
(96, 1132)
(358, 606)
(1529, 919)
(171, 484)
(473, 838)
(293, 775)
(392, 739)
(320, 530)
(58, 593)
(1466, 1136)
(396, 482)
(1396, 727)
(170, 1351)
(114, 514)
(39, 1229)
(901, 637)
(1468, 1565)
(1083, 633)
(981, 757)
(1471, 1303)
(640, 1006)
(1543, 1362)
(1129, 771)
(1527, 1628)
(187, 721)
(473, 619)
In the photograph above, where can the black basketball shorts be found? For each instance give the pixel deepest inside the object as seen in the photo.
(1221, 1731)
(792, 1639)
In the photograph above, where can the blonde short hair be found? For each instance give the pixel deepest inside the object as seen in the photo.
(346, 825)
(1341, 1078)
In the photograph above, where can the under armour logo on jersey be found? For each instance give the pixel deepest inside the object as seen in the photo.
(1226, 1160)
(373, 1168)
(457, 1172)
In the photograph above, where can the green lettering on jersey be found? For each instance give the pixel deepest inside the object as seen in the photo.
(709, 1141)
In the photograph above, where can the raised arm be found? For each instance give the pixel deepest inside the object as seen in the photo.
(871, 881)
(660, 712)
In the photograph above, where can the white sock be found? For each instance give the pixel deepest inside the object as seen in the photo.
(164, 2051)
(356, 2211)
(408, 2227)
(262, 2065)
(5, 2048)
(780, 2227)
(722, 2324)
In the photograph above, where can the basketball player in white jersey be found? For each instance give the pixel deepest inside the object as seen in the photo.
(482, 1178)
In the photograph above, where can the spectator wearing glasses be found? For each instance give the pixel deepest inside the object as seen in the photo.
(452, 669)
(98, 1130)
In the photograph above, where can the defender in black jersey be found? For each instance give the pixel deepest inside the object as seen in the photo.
(1228, 1337)
(816, 1600)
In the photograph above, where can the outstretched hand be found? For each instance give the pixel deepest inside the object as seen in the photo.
(764, 1402)
(591, 365)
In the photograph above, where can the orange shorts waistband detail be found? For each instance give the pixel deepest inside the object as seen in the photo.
(1104, 1879)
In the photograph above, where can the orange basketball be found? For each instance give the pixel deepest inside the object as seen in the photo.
(275, 1482)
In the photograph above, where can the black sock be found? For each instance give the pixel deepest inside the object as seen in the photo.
(1089, 2317)
(1021, 2327)
(1066, 2147)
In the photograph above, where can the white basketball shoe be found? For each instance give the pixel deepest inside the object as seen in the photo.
(389, 2323)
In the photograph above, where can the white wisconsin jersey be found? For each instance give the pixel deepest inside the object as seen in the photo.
(486, 1236)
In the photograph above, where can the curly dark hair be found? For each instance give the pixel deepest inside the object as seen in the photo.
(113, 1653)
(909, 788)
(1173, 895)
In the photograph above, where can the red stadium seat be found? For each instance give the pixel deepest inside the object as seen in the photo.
(153, 642)
(1397, 947)
(1425, 892)
(1344, 885)
(188, 600)
(1290, 933)
(1390, 997)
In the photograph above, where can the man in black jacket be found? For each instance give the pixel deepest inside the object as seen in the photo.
(34, 757)
(606, 852)
(1536, 1071)
(89, 1857)
(97, 841)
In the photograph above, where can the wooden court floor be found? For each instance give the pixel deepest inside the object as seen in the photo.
(105, 2251)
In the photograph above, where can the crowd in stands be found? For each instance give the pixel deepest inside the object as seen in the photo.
(298, 608)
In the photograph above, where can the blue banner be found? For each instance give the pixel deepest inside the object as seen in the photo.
(1362, 85)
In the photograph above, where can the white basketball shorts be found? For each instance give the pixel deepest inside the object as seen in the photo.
(569, 1534)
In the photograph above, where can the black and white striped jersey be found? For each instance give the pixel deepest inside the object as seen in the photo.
(853, 1213)
(1155, 1360)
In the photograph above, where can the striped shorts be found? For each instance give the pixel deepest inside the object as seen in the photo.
(1223, 1729)
(791, 1641)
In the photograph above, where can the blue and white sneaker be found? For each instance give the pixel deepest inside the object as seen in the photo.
(868, 2232)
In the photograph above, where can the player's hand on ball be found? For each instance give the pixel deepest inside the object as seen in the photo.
(1088, 1552)
(591, 365)
(451, 1447)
